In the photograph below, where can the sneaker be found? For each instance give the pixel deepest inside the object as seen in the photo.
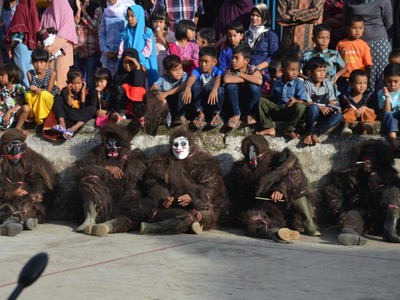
(351, 239)
(346, 132)
(196, 228)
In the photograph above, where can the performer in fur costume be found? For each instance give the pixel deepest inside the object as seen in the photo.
(365, 197)
(186, 187)
(109, 178)
(268, 187)
(25, 177)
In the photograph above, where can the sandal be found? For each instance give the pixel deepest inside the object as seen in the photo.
(68, 134)
(58, 128)
(234, 122)
(216, 121)
(199, 123)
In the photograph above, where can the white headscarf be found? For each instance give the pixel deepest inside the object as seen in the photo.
(118, 9)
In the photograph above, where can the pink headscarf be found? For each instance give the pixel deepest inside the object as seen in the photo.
(60, 16)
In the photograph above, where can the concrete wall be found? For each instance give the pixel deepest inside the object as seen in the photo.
(333, 153)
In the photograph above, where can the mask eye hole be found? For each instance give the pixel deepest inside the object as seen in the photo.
(176, 144)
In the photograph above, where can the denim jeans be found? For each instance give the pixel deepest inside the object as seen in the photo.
(200, 94)
(243, 97)
(317, 123)
(390, 121)
(88, 65)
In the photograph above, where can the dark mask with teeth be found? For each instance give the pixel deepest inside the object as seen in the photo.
(113, 147)
(15, 151)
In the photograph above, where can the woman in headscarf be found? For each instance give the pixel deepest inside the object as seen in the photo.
(60, 16)
(112, 25)
(378, 17)
(298, 18)
(21, 35)
(261, 39)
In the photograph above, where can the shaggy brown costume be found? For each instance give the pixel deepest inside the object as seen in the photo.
(197, 175)
(104, 196)
(155, 112)
(365, 197)
(33, 173)
(272, 171)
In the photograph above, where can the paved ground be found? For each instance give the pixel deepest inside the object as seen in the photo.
(215, 265)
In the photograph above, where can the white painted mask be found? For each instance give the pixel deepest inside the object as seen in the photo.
(181, 147)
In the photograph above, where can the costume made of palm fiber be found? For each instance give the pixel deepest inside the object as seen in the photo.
(109, 177)
(25, 177)
(365, 197)
(262, 172)
(197, 175)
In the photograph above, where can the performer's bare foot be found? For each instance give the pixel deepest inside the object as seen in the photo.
(308, 140)
(315, 139)
(267, 131)
(291, 134)
(288, 235)
(251, 120)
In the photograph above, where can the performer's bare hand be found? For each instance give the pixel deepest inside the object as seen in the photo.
(184, 200)
(115, 171)
(19, 192)
(168, 202)
(276, 196)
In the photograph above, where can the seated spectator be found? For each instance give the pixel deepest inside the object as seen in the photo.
(357, 104)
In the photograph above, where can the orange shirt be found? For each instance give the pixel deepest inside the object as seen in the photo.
(356, 54)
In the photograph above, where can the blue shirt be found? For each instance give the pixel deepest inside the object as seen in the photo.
(394, 100)
(225, 58)
(166, 83)
(282, 92)
(205, 78)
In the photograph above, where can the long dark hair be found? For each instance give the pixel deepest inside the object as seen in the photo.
(93, 5)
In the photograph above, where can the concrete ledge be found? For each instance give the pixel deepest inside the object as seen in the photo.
(334, 152)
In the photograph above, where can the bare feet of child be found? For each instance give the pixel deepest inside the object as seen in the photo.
(291, 134)
(315, 139)
(267, 131)
(251, 120)
(308, 140)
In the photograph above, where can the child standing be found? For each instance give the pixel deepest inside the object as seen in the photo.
(70, 105)
(113, 22)
(162, 36)
(336, 66)
(288, 101)
(321, 111)
(355, 52)
(204, 86)
(185, 48)
(234, 37)
(12, 98)
(357, 104)
(242, 87)
(389, 102)
(129, 86)
(137, 36)
(42, 90)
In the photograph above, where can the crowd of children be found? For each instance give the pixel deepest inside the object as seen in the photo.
(246, 78)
